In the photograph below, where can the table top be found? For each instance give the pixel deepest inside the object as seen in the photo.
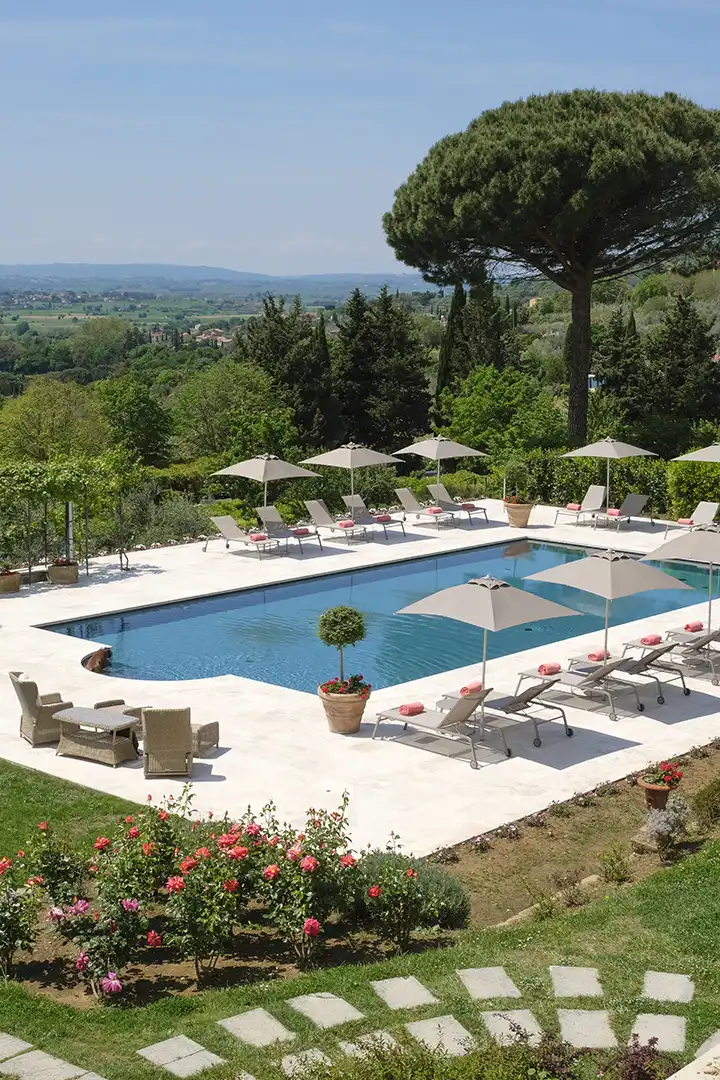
(104, 719)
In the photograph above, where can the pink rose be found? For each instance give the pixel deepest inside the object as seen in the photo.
(111, 984)
(82, 961)
(374, 891)
(347, 860)
(133, 833)
(130, 905)
(311, 927)
(253, 829)
(309, 864)
(271, 872)
(100, 844)
(153, 939)
(238, 853)
(175, 884)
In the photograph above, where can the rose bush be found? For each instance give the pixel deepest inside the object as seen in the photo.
(106, 939)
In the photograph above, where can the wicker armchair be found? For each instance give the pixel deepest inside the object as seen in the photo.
(37, 723)
(119, 705)
(167, 742)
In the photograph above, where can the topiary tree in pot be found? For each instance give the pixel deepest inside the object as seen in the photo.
(343, 699)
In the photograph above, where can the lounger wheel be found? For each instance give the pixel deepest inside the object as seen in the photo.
(640, 707)
(570, 732)
(686, 691)
(474, 765)
(661, 700)
(716, 682)
(537, 742)
(613, 716)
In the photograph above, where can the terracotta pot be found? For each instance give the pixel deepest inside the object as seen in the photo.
(63, 575)
(656, 795)
(10, 582)
(518, 514)
(343, 712)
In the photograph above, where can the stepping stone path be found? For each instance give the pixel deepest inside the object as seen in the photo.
(180, 1056)
(668, 1030)
(576, 982)
(295, 1064)
(489, 982)
(365, 1044)
(507, 1027)
(664, 986)
(257, 1027)
(586, 1028)
(17, 1058)
(442, 1033)
(325, 1010)
(403, 993)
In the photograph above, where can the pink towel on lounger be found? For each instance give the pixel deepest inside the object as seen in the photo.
(471, 688)
(651, 639)
(301, 530)
(258, 536)
(549, 669)
(382, 518)
(573, 506)
(613, 513)
(413, 708)
(346, 524)
(599, 654)
(434, 509)
(693, 627)
(468, 506)
(685, 521)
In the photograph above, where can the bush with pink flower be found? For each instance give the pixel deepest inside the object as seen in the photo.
(19, 907)
(106, 937)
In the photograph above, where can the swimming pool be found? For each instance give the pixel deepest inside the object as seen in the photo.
(269, 634)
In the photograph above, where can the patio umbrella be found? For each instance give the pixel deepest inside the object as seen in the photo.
(351, 456)
(610, 449)
(708, 453)
(611, 575)
(489, 603)
(438, 448)
(264, 468)
(696, 546)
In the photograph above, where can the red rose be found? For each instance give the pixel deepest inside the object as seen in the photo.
(311, 927)
(101, 843)
(271, 872)
(411, 873)
(129, 819)
(238, 853)
(148, 849)
(374, 891)
(43, 826)
(163, 815)
(202, 853)
(188, 864)
(347, 860)
(230, 886)
(153, 939)
(133, 833)
(175, 884)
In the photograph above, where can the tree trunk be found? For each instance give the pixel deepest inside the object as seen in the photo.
(579, 363)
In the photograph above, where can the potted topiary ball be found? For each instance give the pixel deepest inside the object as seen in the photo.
(344, 700)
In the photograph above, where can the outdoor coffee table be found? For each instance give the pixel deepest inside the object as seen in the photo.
(94, 734)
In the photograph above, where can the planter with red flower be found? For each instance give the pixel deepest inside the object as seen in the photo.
(518, 509)
(658, 782)
(9, 580)
(63, 571)
(344, 700)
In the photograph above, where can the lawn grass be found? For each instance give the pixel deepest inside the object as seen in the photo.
(668, 922)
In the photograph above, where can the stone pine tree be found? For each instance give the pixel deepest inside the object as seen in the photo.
(580, 186)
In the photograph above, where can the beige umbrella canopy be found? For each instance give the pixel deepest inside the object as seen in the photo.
(611, 575)
(489, 603)
(438, 448)
(708, 453)
(696, 546)
(611, 449)
(265, 468)
(351, 456)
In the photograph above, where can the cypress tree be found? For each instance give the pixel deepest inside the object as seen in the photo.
(399, 405)
(355, 376)
(453, 331)
(631, 329)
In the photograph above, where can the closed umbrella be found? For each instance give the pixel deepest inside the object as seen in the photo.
(438, 448)
(612, 450)
(489, 603)
(697, 546)
(351, 456)
(611, 575)
(264, 468)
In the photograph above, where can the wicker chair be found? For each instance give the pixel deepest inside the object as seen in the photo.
(37, 723)
(118, 705)
(167, 742)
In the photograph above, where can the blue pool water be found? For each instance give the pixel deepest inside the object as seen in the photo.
(269, 634)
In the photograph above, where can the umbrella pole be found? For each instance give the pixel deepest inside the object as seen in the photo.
(352, 494)
(607, 496)
(265, 494)
(482, 704)
(710, 588)
(607, 623)
(438, 470)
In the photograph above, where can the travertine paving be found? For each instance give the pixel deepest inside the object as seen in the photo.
(442, 1033)
(10, 1046)
(17, 1058)
(508, 1026)
(665, 986)
(403, 993)
(180, 1056)
(488, 982)
(257, 1027)
(576, 982)
(325, 1010)
(668, 1030)
(586, 1028)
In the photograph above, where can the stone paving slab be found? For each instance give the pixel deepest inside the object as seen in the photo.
(503, 1026)
(365, 1044)
(708, 1045)
(668, 1030)
(91, 1076)
(576, 981)
(667, 986)
(488, 982)
(325, 1010)
(403, 993)
(170, 1050)
(10, 1046)
(295, 1064)
(193, 1064)
(257, 1027)
(442, 1033)
(37, 1065)
(586, 1028)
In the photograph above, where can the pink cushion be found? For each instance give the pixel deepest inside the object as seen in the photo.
(258, 536)
(413, 708)
(468, 506)
(651, 639)
(573, 506)
(613, 513)
(693, 627)
(434, 509)
(599, 654)
(471, 688)
(301, 530)
(381, 518)
(685, 521)
(346, 524)
(549, 669)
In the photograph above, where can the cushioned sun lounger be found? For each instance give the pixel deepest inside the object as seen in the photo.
(702, 517)
(599, 681)
(231, 532)
(277, 529)
(362, 516)
(432, 514)
(323, 519)
(457, 723)
(593, 502)
(442, 499)
(631, 507)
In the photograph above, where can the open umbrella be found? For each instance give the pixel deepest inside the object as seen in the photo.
(611, 575)
(489, 603)
(708, 453)
(351, 456)
(612, 450)
(696, 546)
(264, 468)
(438, 448)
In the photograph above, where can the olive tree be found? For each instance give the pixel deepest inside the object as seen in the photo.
(581, 186)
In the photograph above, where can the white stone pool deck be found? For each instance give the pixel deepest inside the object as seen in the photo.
(274, 741)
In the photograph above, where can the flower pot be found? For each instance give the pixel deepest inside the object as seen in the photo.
(343, 712)
(63, 575)
(10, 582)
(518, 514)
(656, 795)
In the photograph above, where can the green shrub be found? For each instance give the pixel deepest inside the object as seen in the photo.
(614, 866)
(706, 804)
(690, 483)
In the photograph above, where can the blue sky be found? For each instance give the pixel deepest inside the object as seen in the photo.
(271, 136)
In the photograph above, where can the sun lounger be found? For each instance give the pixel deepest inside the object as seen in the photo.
(631, 507)
(678, 634)
(442, 499)
(702, 517)
(593, 502)
(600, 681)
(362, 516)
(521, 704)
(37, 716)
(645, 666)
(277, 529)
(323, 519)
(700, 651)
(231, 532)
(434, 514)
(457, 723)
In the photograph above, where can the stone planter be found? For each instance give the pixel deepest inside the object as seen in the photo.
(518, 514)
(343, 712)
(10, 582)
(656, 795)
(63, 575)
